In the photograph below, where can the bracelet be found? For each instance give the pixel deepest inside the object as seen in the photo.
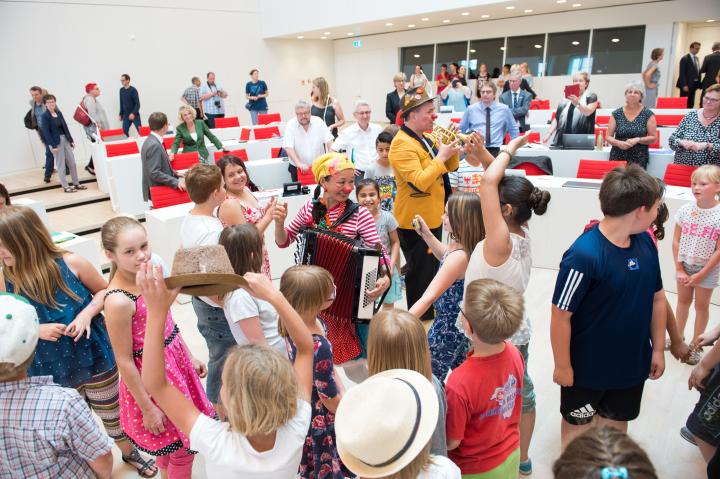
(502, 150)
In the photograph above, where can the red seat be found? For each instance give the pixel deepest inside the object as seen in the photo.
(163, 196)
(275, 152)
(168, 141)
(531, 169)
(604, 132)
(120, 149)
(245, 134)
(267, 132)
(110, 133)
(668, 120)
(602, 120)
(671, 102)
(306, 178)
(534, 137)
(183, 161)
(507, 139)
(241, 153)
(539, 104)
(144, 131)
(552, 117)
(456, 120)
(267, 118)
(657, 141)
(228, 122)
(678, 175)
(596, 169)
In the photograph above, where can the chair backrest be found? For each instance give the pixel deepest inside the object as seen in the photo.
(275, 152)
(241, 153)
(596, 169)
(267, 132)
(168, 141)
(163, 196)
(531, 169)
(668, 120)
(245, 134)
(120, 149)
(603, 120)
(678, 175)
(671, 102)
(229, 122)
(144, 131)
(110, 133)
(306, 178)
(539, 104)
(657, 141)
(267, 118)
(534, 137)
(183, 161)
(456, 120)
(597, 133)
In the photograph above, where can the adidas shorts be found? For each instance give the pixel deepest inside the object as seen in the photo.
(578, 405)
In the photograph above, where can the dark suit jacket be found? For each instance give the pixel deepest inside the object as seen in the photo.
(392, 106)
(182, 135)
(521, 110)
(156, 166)
(688, 75)
(710, 67)
(50, 132)
(524, 85)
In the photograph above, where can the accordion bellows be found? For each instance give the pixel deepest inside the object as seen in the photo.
(203, 271)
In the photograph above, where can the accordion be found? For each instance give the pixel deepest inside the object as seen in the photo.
(354, 268)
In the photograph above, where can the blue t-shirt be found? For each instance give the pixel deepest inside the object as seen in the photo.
(255, 89)
(609, 291)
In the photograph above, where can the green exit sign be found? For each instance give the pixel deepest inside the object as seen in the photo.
(357, 43)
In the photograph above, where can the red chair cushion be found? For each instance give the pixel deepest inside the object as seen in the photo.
(144, 131)
(597, 133)
(245, 134)
(110, 133)
(602, 120)
(163, 196)
(456, 120)
(267, 132)
(306, 178)
(228, 122)
(671, 102)
(534, 137)
(596, 169)
(267, 118)
(275, 152)
(531, 169)
(120, 149)
(668, 120)
(168, 141)
(678, 175)
(241, 153)
(183, 161)
(657, 142)
(539, 104)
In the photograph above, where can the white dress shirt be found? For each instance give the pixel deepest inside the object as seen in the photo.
(359, 144)
(309, 144)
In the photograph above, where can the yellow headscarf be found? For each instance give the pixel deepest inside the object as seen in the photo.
(329, 164)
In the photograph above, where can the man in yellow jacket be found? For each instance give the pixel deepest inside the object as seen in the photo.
(421, 166)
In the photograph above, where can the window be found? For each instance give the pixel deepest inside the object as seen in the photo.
(618, 50)
(490, 52)
(528, 49)
(567, 52)
(420, 55)
(448, 53)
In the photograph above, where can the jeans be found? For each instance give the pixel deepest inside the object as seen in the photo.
(215, 329)
(254, 115)
(49, 162)
(421, 265)
(211, 118)
(126, 124)
(65, 157)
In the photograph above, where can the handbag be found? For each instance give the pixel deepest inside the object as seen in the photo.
(82, 116)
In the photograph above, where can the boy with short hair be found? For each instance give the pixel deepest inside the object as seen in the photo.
(608, 315)
(381, 171)
(484, 393)
(47, 430)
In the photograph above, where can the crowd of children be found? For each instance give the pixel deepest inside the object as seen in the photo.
(454, 402)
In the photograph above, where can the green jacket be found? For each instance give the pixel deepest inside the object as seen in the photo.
(182, 135)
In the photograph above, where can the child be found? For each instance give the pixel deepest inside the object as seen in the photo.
(468, 175)
(398, 340)
(482, 394)
(265, 397)
(201, 228)
(696, 252)
(47, 430)
(368, 195)
(382, 172)
(384, 426)
(609, 281)
(309, 290)
(251, 320)
(604, 453)
(448, 345)
(125, 243)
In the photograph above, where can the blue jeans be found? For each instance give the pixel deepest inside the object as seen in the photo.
(254, 115)
(127, 121)
(49, 162)
(211, 118)
(215, 329)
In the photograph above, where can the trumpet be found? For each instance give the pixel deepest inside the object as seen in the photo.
(445, 135)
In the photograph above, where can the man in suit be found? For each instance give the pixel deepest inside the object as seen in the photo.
(392, 100)
(155, 161)
(518, 101)
(689, 76)
(711, 68)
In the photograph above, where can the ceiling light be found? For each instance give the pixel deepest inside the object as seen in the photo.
(484, 16)
(424, 19)
(576, 43)
(575, 5)
(502, 48)
(472, 50)
(417, 55)
(511, 7)
(709, 21)
(350, 34)
(388, 24)
(446, 21)
(412, 25)
(615, 40)
(528, 11)
(538, 46)
(560, 1)
(465, 14)
(323, 38)
(326, 33)
(300, 37)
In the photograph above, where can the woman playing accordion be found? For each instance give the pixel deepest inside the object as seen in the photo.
(333, 211)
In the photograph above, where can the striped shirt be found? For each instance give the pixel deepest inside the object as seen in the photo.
(467, 177)
(47, 431)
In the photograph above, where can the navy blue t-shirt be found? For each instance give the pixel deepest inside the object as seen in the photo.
(255, 89)
(609, 291)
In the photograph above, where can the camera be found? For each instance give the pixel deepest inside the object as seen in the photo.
(217, 104)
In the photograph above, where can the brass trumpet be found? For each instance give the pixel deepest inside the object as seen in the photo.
(445, 135)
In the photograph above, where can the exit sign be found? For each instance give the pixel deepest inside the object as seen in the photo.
(357, 43)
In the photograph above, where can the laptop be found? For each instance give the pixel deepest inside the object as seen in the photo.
(578, 141)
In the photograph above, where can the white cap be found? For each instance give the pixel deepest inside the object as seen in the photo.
(18, 329)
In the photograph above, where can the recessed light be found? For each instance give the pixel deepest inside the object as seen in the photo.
(484, 16)
(709, 21)
(446, 21)
(417, 55)
(326, 33)
(323, 38)
(576, 43)
(465, 14)
(560, 1)
(300, 37)
(575, 5)
(350, 34)
(510, 7)
(425, 19)
(615, 40)
(412, 25)
(538, 46)
(388, 24)
(528, 11)
(472, 50)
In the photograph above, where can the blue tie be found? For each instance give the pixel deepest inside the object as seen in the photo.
(515, 101)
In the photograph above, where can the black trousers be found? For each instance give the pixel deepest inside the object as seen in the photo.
(690, 94)
(293, 172)
(421, 265)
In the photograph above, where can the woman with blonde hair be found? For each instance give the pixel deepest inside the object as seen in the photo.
(68, 293)
(326, 107)
(575, 114)
(632, 128)
(191, 133)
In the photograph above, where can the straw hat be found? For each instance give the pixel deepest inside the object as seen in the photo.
(19, 329)
(203, 271)
(383, 423)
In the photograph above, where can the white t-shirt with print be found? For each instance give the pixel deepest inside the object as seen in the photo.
(200, 230)
(229, 454)
(441, 468)
(700, 230)
(467, 177)
(240, 305)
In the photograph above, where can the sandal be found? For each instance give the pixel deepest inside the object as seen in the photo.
(80, 187)
(69, 190)
(142, 465)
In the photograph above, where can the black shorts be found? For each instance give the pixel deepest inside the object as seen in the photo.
(704, 421)
(578, 405)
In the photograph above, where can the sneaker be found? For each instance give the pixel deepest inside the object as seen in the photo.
(526, 467)
(80, 187)
(46, 180)
(687, 435)
(695, 356)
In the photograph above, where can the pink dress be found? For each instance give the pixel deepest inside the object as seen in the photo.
(179, 372)
(253, 215)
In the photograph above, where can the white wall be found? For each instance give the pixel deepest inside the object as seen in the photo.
(63, 46)
(367, 72)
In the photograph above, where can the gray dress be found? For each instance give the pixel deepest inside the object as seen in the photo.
(651, 94)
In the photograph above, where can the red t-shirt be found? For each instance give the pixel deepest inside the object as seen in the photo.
(484, 403)
(439, 77)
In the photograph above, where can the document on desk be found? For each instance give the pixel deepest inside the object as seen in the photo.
(581, 184)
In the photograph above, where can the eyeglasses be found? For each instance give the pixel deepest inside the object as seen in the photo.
(362, 112)
(710, 99)
(334, 294)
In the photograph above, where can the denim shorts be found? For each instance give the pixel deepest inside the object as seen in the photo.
(710, 281)
(528, 389)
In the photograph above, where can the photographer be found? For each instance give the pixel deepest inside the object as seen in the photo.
(213, 98)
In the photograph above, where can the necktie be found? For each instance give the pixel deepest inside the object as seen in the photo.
(487, 126)
(697, 64)
(515, 100)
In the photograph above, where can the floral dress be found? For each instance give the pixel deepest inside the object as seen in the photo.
(320, 459)
(448, 344)
(691, 128)
(625, 129)
(253, 215)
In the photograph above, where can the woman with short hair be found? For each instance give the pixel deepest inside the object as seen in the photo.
(392, 100)
(696, 140)
(632, 128)
(191, 133)
(575, 114)
(256, 91)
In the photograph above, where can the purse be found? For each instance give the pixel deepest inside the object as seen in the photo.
(82, 116)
